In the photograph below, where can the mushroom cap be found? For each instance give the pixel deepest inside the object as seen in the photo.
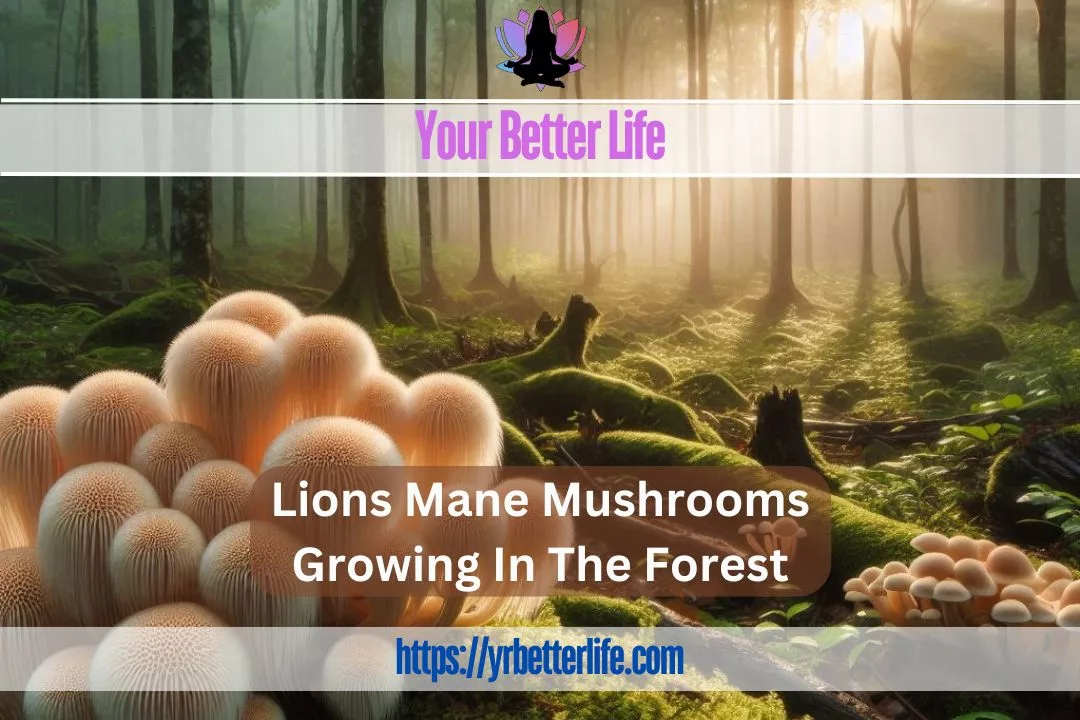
(106, 414)
(265, 311)
(1071, 594)
(913, 616)
(1069, 616)
(950, 591)
(226, 377)
(261, 707)
(972, 573)
(383, 401)
(961, 546)
(331, 442)
(1052, 571)
(747, 529)
(870, 574)
(893, 567)
(171, 661)
(215, 495)
(1008, 566)
(785, 527)
(166, 451)
(900, 582)
(24, 601)
(857, 585)
(985, 548)
(246, 577)
(30, 457)
(60, 686)
(932, 615)
(327, 361)
(154, 560)
(930, 542)
(932, 564)
(79, 517)
(1054, 590)
(1023, 593)
(1041, 612)
(453, 422)
(764, 527)
(359, 678)
(1010, 612)
(854, 596)
(923, 587)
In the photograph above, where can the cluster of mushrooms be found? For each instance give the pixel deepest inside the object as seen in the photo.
(963, 582)
(124, 502)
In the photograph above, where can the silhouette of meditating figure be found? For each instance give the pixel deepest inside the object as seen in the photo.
(541, 63)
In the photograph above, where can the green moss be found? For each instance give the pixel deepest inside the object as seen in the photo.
(579, 705)
(588, 611)
(424, 317)
(151, 321)
(687, 336)
(971, 346)
(951, 375)
(137, 359)
(1038, 461)
(948, 706)
(860, 538)
(712, 391)
(518, 451)
(658, 374)
(554, 396)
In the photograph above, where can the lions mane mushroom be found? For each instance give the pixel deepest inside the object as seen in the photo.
(166, 451)
(154, 560)
(215, 495)
(265, 311)
(59, 689)
(30, 458)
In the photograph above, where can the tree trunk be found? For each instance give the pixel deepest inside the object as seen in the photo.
(808, 188)
(782, 290)
(56, 93)
(93, 45)
(898, 250)
(297, 77)
(367, 292)
(692, 87)
(192, 226)
(1010, 267)
(148, 83)
(486, 278)
(1052, 285)
(589, 272)
(779, 439)
(235, 31)
(348, 60)
(701, 243)
(564, 219)
(431, 289)
(322, 274)
(866, 264)
(904, 46)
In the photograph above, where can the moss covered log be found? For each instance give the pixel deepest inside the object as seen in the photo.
(555, 395)
(860, 538)
(1052, 459)
(518, 450)
(151, 321)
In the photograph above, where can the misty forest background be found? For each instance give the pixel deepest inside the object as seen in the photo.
(927, 332)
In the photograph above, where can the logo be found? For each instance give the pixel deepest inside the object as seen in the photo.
(542, 48)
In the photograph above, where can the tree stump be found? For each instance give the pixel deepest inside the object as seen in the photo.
(779, 439)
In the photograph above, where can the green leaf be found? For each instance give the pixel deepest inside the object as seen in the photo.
(982, 715)
(974, 431)
(1057, 512)
(773, 613)
(832, 636)
(1011, 402)
(804, 641)
(992, 428)
(797, 609)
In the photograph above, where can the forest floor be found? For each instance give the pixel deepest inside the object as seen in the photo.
(858, 358)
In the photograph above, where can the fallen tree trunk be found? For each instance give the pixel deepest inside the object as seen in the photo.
(755, 666)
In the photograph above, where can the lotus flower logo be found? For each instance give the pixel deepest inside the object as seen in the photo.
(542, 48)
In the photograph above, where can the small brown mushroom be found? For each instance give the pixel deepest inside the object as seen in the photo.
(1009, 566)
(949, 596)
(961, 546)
(923, 591)
(936, 565)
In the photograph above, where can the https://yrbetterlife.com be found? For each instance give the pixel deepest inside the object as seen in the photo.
(485, 660)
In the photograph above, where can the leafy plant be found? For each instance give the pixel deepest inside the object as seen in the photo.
(982, 715)
(1061, 510)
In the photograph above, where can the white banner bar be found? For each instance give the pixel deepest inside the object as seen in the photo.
(615, 138)
(236, 659)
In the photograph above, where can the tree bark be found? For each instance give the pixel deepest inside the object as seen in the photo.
(1052, 285)
(486, 278)
(701, 243)
(297, 77)
(904, 46)
(898, 250)
(808, 188)
(431, 289)
(1010, 268)
(866, 265)
(235, 32)
(56, 93)
(782, 290)
(148, 85)
(367, 292)
(93, 45)
(692, 88)
(322, 274)
(192, 226)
